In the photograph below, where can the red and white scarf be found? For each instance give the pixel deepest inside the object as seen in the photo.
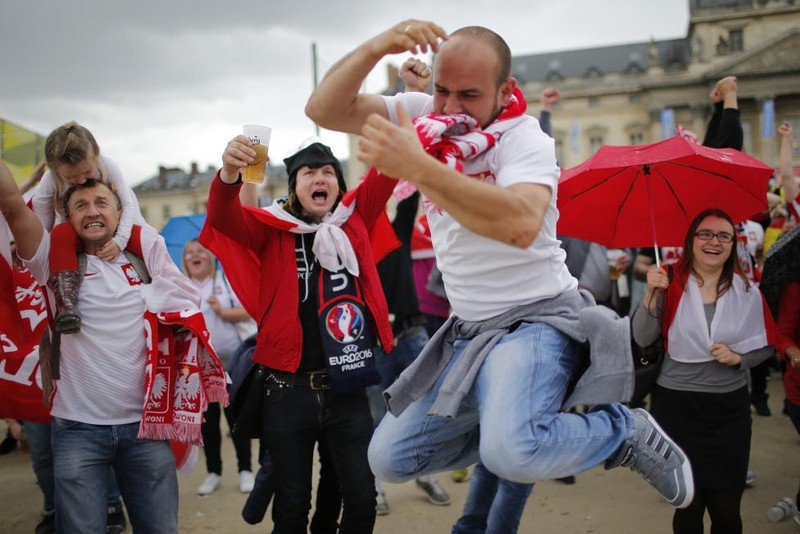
(183, 374)
(454, 138)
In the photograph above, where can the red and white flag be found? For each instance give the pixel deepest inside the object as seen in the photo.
(23, 319)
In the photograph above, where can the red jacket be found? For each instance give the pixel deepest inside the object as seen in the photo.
(789, 330)
(260, 263)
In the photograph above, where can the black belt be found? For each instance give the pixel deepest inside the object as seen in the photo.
(316, 380)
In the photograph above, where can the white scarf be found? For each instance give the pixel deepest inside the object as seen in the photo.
(738, 323)
(331, 246)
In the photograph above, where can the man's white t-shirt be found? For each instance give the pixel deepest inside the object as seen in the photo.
(102, 366)
(484, 277)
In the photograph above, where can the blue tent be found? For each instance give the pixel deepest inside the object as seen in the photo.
(178, 231)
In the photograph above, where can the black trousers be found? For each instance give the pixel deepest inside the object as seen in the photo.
(295, 419)
(212, 441)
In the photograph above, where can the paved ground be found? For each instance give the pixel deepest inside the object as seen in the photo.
(601, 502)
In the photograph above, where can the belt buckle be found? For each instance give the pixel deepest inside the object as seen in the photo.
(318, 380)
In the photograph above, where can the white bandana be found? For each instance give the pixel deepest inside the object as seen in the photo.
(331, 244)
(738, 323)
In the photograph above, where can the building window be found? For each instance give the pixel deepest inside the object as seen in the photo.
(554, 76)
(559, 150)
(747, 137)
(165, 212)
(594, 101)
(636, 138)
(595, 142)
(736, 41)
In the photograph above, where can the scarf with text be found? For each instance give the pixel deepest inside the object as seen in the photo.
(183, 374)
(348, 343)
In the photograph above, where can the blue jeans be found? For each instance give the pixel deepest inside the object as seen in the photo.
(493, 506)
(38, 436)
(144, 469)
(515, 402)
(390, 366)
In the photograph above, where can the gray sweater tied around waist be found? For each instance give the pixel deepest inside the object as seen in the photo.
(608, 379)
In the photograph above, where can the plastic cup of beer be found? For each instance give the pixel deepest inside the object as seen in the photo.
(259, 136)
(612, 255)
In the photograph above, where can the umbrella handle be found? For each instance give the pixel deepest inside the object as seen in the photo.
(658, 256)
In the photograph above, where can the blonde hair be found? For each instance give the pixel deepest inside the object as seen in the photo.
(70, 144)
(211, 260)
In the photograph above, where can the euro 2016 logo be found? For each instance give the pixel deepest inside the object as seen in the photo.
(345, 323)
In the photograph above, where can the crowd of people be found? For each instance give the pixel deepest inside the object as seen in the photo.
(463, 333)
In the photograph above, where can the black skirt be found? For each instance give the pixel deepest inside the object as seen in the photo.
(713, 429)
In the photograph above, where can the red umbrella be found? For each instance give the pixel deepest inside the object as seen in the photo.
(646, 195)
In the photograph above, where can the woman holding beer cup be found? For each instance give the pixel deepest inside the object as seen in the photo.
(304, 268)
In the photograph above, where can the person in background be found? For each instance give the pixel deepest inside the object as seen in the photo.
(222, 310)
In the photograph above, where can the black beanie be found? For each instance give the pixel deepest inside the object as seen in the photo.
(314, 156)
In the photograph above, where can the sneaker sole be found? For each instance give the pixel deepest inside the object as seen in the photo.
(686, 466)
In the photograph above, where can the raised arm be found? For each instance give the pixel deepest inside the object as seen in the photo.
(336, 103)
(34, 179)
(512, 215)
(24, 225)
(785, 170)
(224, 212)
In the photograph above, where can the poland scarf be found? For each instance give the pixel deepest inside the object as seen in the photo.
(182, 375)
(740, 322)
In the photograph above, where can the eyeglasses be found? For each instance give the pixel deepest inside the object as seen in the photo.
(706, 235)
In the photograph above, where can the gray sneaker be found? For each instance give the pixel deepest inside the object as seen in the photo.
(659, 460)
(435, 492)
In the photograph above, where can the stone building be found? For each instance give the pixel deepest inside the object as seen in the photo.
(640, 92)
(177, 192)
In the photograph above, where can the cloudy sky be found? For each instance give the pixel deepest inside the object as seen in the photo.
(168, 82)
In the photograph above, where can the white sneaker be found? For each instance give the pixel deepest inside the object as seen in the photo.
(246, 481)
(211, 484)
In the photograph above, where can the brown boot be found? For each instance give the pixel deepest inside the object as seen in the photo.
(64, 285)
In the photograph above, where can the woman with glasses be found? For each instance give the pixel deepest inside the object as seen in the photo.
(714, 326)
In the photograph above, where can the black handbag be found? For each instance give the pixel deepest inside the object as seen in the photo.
(647, 361)
(246, 390)
(248, 404)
